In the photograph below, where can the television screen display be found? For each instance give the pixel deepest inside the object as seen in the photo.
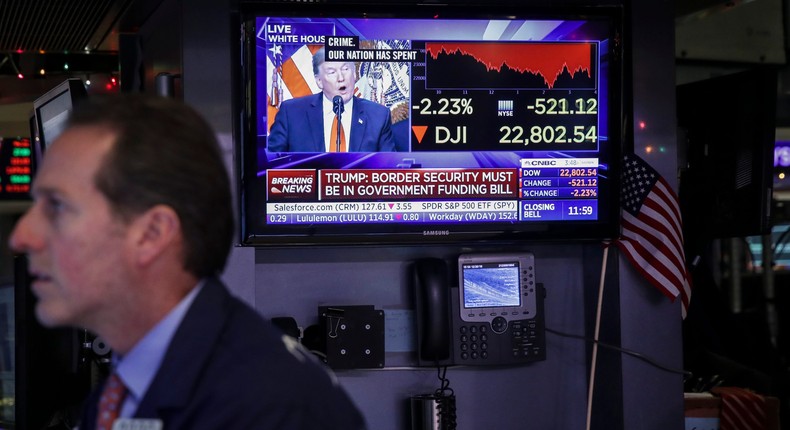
(781, 163)
(455, 124)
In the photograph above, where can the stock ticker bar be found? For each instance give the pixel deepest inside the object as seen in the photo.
(537, 190)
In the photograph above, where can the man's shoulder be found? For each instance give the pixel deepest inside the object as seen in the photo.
(369, 103)
(254, 357)
(247, 333)
(371, 107)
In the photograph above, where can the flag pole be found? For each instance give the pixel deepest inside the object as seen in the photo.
(594, 360)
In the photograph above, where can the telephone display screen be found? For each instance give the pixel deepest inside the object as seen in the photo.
(491, 285)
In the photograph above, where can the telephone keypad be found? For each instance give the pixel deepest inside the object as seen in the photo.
(475, 344)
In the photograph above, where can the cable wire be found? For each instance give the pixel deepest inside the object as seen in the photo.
(626, 351)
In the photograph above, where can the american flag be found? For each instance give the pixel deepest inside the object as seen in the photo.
(741, 409)
(652, 235)
(289, 74)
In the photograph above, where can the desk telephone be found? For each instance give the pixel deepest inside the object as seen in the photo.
(492, 315)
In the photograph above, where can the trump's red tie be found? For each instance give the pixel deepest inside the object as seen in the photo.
(110, 402)
(333, 146)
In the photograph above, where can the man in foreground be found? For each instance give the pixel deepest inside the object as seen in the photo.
(131, 224)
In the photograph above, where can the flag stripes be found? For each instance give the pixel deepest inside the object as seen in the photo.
(652, 235)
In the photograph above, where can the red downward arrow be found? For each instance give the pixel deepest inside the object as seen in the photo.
(419, 131)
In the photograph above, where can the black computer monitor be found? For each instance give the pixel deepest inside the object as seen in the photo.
(52, 109)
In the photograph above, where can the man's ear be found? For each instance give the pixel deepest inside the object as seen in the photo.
(154, 232)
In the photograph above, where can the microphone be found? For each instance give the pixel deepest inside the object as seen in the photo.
(337, 108)
(337, 105)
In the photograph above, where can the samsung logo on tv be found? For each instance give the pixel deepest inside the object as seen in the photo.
(436, 232)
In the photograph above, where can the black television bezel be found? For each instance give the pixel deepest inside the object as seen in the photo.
(360, 234)
(69, 93)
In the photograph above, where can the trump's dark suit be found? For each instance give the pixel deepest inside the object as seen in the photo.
(299, 127)
(228, 368)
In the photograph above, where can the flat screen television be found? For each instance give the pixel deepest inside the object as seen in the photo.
(504, 123)
(51, 110)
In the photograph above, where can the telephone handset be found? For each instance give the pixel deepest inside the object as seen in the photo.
(432, 300)
(492, 315)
